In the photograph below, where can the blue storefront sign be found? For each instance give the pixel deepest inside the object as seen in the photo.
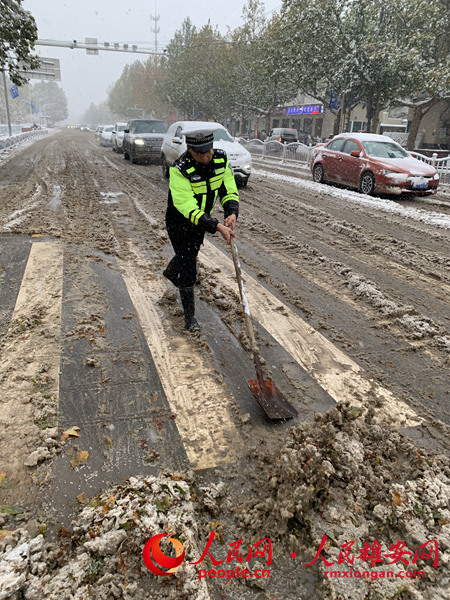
(14, 91)
(305, 109)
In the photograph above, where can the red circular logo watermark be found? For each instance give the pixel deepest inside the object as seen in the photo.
(152, 554)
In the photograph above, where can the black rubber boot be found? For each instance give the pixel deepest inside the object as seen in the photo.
(188, 302)
(172, 271)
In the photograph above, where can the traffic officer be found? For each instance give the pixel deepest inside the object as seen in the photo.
(197, 178)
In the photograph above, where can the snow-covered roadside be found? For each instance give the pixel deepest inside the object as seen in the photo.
(360, 489)
(101, 556)
(388, 206)
(10, 146)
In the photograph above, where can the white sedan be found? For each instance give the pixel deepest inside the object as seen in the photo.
(105, 136)
(117, 137)
(174, 145)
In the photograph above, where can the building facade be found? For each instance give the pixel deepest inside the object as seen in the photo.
(315, 122)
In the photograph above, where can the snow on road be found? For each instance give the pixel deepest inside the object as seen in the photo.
(388, 206)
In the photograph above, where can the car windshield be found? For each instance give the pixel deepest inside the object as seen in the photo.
(149, 127)
(384, 149)
(106, 129)
(121, 127)
(222, 134)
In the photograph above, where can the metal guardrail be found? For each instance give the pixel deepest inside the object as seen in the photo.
(293, 152)
(442, 165)
(9, 141)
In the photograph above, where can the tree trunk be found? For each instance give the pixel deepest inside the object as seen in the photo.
(369, 112)
(268, 116)
(414, 130)
(376, 112)
(337, 122)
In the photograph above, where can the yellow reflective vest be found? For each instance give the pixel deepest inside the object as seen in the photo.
(194, 189)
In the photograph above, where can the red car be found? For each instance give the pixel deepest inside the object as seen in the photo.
(372, 163)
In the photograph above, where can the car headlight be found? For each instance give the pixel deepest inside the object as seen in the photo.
(436, 176)
(139, 142)
(247, 168)
(389, 172)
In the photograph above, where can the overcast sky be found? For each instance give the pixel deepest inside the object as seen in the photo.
(86, 79)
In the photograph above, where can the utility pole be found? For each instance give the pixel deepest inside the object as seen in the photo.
(155, 29)
(8, 118)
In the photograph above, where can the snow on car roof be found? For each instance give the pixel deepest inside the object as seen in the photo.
(367, 137)
(192, 127)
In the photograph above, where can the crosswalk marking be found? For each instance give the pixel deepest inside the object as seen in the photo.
(26, 352)
(198, 399)
(335, 372)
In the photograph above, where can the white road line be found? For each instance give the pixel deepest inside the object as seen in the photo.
(111, 164)
(335, 372)
(195, 396)
(29, 355)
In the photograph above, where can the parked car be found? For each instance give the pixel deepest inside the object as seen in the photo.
(105, 136)
(174, 145)
(117, 136)
(283, 135)
(372, 163)
(143, 139)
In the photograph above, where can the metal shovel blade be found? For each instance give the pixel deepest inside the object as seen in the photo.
(271, 400)
(267, 394)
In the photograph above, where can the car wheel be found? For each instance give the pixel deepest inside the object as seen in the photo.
(114, 149)
(132, 159)
(318, 173)
(165, 167)
(126, 155)
(367, 183)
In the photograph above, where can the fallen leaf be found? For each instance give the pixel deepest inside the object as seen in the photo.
(2, 477)
(108, 505)
(72, 431)
(397, 499)
(82, 498)
(4, 533)
(80, 458)
(63, 532)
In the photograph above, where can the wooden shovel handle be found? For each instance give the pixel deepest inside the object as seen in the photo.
(248, 319)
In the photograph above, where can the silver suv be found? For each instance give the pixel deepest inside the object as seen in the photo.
(143, 139)
(283, 134)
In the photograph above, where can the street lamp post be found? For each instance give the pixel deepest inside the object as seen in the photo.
(8, 118)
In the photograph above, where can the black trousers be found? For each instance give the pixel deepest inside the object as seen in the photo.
(186, 240)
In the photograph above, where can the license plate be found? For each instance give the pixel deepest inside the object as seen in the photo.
(420, 186)
(156, 148)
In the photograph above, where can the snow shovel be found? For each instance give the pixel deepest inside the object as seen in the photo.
(267, 394)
